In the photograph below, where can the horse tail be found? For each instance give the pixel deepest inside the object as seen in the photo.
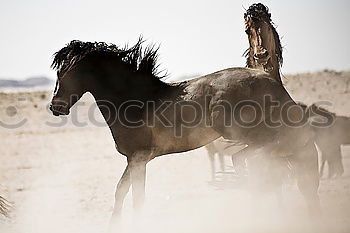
(4, 207)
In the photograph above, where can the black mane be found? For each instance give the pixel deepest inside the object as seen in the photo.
(137, 58)
(259, 12)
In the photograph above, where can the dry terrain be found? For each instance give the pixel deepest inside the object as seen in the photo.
(60, 175)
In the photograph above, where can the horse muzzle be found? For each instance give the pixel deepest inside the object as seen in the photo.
(261, 55)
(58, 110)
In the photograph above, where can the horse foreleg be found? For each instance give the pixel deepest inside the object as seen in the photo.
(211, 155)
(121, 191)
(212, 164)
(138, 178)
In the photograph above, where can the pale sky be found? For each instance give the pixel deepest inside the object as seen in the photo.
(196, 36)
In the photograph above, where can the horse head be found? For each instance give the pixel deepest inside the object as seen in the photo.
(69, 84)
(265, 50)
(102, 69)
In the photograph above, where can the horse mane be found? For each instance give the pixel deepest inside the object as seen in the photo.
(259, 12)
(137, 58)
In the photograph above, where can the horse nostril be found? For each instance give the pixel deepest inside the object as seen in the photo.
(261, 55)
(52, 109)
(55, 111)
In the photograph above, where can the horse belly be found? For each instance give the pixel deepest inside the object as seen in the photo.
(166, 142)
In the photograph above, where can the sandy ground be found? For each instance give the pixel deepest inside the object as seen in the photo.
(60, 176)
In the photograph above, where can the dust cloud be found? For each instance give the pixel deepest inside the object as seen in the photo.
(62, 179)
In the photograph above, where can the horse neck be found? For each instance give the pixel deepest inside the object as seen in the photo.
(270, 43)
(122, 87)
(127, 88)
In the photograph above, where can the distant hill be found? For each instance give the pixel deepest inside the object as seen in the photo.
(27, 83)
(182, 78)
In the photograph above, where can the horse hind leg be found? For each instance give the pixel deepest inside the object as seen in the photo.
(238, 159)
(308, 186)
(308, 178)
(332, 156)
(338, 167)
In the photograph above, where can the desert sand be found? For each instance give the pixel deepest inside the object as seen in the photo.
(60, 175)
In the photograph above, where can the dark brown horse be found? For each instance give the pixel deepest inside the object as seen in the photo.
(329, 140)
(149, 118)
(265, 53)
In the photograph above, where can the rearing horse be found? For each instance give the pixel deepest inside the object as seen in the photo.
(265, 50)
(265, 53)
(149, 118)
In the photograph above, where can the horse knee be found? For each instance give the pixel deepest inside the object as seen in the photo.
(121, 190)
